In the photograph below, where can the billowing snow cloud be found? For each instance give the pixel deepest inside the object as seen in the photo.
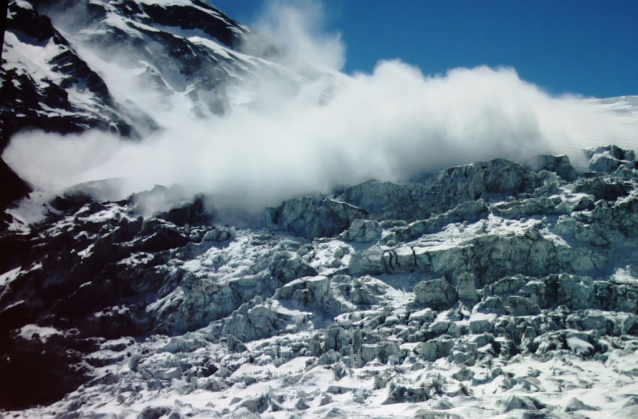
(298, 26)
(389, 125)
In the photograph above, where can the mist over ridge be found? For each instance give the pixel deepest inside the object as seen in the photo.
(280, 139)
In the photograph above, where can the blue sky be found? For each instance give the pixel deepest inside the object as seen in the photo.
(565, 46)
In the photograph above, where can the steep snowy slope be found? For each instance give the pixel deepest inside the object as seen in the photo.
(47, 85)
(90, 76)
(101, 62)
(488, 290)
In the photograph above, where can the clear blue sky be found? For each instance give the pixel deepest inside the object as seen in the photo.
(578, 46)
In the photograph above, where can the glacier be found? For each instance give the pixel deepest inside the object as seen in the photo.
(494, 289)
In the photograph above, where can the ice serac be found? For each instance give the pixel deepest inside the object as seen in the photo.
(491, 278)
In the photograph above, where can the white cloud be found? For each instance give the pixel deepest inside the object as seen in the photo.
(388, 125)
(298, 26)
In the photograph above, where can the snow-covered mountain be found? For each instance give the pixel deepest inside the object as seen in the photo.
(104, 61)
(495, 289)
(61, 80)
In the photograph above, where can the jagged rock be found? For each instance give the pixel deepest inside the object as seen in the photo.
(258, 322)
(382, 351)
(435, 348)
(234, 344)
(481, 326)
(606, 189)
(436, 293)
(423, 316)
(466, 290)
(337, 338)
(329, 358)
(372, 195)
(463, 374)
(309, 290)
(256, 404)
(575, 292)
(219, 234)
(362, 231)
(301, 404)
(315, 217)
(314, 346)
(154, 412)
(491, 305)
(401, 394)
(100, 269)
(582, 344)
(520, 306)
(365, 291)
(569, 227)
(326, 399)
(578, 343)
(172, 373)
(287, 266)
(190, 213)
(558, 164)
(553, 205)
(312, 218)
(429, 414)
(609, 158)
(524, 403)
(505, 286)
(485, 256)
(12, 187)
(445, 327)
(467, 211)
(576, 405)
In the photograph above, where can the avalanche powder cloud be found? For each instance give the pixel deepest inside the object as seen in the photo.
(389, 125)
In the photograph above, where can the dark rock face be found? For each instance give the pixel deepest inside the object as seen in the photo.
(42, 370)
(189, 48)
(79, 293)
(11, 188)
(203, 17)
(436, 293)
(71, 97)
(44, 104)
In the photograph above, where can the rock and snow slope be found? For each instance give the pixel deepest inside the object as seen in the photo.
(88, 70)
(71, 67)
(493, 289)
(488, 290)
